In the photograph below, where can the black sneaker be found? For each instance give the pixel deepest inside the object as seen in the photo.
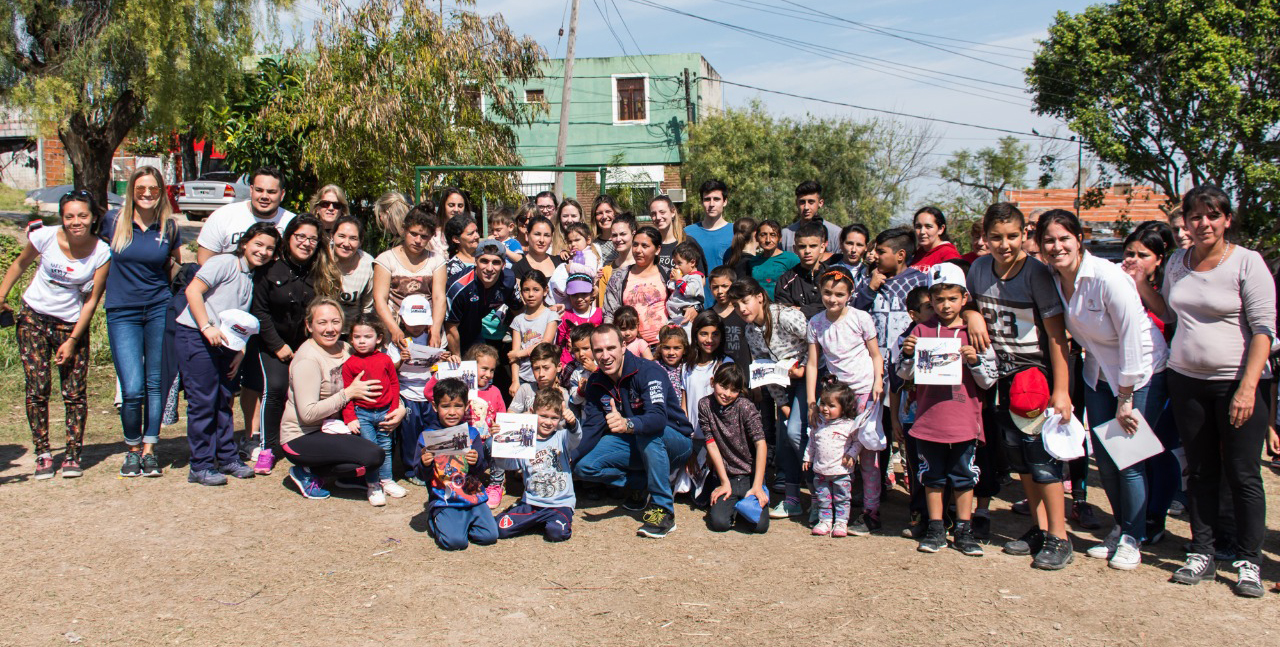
(919, 526)
(1082, 513)
(658, 523)
(981, 527)
(636, 500)
(1249, 582)
(151, 466)
(1029, 543)
(935, 537)
(963, 541)
(1054, 555)
(132, 465)
(237, 469)
(1198, 568)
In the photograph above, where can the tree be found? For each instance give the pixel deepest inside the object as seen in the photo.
(94, 70)
(391, 85)
(981, 177)
(863, 166)
(1172, 93)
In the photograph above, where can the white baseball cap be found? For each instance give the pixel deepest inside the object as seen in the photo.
(415, 310)
(237, 327)
(948, 273)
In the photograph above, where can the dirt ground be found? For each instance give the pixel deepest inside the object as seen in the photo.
(107, 560)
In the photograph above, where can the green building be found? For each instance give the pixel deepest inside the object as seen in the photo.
(632, 108)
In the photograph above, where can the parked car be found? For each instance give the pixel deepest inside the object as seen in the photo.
(200, 197)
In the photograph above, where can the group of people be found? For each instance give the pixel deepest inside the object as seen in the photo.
(636, 342)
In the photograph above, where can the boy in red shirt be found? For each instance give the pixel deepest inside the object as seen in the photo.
(948, 425)
(365, 417)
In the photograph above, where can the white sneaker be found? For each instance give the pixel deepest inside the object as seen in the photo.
(376, 498)
(1107, 549)
(1128, 556)
(393, 489)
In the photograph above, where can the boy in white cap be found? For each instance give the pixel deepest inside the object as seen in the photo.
(415, 321)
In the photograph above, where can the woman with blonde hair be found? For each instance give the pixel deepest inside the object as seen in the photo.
(329, 204)
(389, 212)
(146, 248)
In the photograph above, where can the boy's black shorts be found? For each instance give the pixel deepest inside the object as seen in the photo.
(948, 463)
(1025, 453)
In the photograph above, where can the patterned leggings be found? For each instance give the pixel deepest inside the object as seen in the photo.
(38, 339)
(833, 496)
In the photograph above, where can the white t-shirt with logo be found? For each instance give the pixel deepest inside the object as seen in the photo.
(224, 227)
(61, 284)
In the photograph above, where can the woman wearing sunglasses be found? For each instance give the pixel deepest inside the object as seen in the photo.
(330, 204)
(54, 322)
(145, 253)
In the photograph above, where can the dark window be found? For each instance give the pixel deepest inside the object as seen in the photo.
(535, 96)
(471, 96)
(631, 99)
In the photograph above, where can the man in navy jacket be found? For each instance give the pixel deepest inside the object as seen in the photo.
(634, 433)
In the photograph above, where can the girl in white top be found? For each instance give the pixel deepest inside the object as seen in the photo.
(1123, 371)
(54, 321)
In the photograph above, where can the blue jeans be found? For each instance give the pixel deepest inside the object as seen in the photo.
(455, 528)
(639, 462)
(789, 451)
(1126, 489)
(137, 342)
(369, 419)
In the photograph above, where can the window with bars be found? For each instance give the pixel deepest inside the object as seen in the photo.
(535, 96)
(631, 105)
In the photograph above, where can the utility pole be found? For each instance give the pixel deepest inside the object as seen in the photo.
(688, 99)
(1079, 171)
(562, 140)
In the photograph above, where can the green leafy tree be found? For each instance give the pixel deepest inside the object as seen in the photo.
(391, 84)
(1172, 93)
(95, 70)
(252, 136)
(863, 167)
(979, 178)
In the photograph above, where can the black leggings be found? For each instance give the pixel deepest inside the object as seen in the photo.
(334, 454)
(275, 391)
(1217, 450)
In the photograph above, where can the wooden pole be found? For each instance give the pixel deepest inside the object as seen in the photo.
(562, 139)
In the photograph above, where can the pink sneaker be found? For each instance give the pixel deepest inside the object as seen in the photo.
(840, 528)
(265, 462)
(494, 492)
(822, 529)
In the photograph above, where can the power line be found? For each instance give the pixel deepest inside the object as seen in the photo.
(869, 27)
(891, 112)
(842, 57)
(633, 38)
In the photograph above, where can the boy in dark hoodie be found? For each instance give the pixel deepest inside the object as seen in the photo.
(458, 508)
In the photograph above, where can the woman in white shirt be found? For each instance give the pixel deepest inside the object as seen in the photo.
(54, 322)
(1124, 365)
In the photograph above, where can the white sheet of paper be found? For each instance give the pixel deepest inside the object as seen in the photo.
(423, 352)
(516, 435)
(466, 372)
(938, 361)
(765, 372)
(1126, 450)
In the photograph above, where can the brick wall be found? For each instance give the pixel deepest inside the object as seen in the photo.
(56, 166)
(589, 184)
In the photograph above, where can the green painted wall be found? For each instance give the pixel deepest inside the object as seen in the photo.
(594, 136)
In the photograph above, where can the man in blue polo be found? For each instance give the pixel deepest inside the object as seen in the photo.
(634, 433)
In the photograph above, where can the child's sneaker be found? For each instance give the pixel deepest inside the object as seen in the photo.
(1055, 555)
(787, 507)
(151, 466)
(935, 537)
(71, 469)
(840, 528)
(866, 524)
(1128, 555)
(264, 462)
(393, 489)
(494, 492)
(1029, 543)
(658, 523)
(1107, 549)
(963, 541)
(237, 469)
(822, 528)
(132, 464)
(44, 468)
(376, 498)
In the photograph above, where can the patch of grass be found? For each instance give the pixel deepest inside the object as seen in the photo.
(11, 199)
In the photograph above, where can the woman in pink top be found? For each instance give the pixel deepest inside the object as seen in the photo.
(642, 286)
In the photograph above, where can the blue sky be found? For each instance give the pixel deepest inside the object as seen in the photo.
(1006, 30)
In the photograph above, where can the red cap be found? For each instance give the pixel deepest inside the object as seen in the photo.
(1029, 394)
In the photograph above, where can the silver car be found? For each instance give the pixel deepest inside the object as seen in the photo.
(200, 197)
